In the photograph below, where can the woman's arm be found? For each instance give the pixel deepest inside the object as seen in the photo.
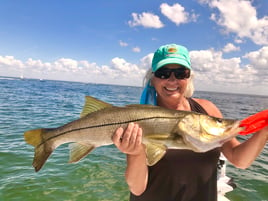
(239, 154)
(129, 141)
(243, 154)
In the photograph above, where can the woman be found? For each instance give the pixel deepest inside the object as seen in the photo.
(182, 175)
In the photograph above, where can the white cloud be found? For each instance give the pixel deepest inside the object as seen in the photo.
(176, 13)
(9, 61)
(136, 49)
(123, 44)
(259, 60)
(126, 72)
(212, 70)
(148, 20)
(238, 40)
(230, 48)
(240, 17)
(66, 65)
(122, 65)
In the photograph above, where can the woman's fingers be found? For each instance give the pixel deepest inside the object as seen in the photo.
(128, 134)
(129, 140)
(117, 137)
(138, 140)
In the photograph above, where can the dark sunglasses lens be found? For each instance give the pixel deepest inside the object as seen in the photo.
(162, 73)
(180, 73)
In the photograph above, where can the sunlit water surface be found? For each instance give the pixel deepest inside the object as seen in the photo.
(28, 104)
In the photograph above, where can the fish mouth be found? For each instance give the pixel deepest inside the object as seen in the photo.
(235, 128)
(228, 130)
(232, 131)
(221, 134)
(208, 142)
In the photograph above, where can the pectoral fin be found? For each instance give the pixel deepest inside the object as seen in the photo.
(79, 151)
(154, 152)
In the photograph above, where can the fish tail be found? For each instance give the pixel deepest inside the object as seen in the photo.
(34, 137)
(42, 152)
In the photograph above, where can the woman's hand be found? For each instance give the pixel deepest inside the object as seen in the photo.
(129, 141)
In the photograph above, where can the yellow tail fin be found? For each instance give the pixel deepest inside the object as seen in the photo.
(33, 137)
(42, 150)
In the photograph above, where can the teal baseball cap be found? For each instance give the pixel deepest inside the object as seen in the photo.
(171, 54)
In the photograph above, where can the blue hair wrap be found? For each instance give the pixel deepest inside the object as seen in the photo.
(148, 95)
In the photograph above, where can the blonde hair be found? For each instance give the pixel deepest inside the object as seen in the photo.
(190, 85)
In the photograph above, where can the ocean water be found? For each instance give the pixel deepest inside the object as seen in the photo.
(27, 104)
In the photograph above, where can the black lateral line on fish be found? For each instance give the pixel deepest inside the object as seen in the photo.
(102, 125)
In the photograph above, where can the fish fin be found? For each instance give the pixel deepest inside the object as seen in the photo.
(79, 151)
(35, 138)
(92, 105)
(154, 152)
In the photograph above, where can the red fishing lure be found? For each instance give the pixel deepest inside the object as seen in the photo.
(254, 122)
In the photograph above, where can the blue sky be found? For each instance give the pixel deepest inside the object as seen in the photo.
(112, 42)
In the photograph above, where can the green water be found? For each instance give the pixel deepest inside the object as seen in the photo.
(31, 104)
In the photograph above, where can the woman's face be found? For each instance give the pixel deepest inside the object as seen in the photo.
(170, 89)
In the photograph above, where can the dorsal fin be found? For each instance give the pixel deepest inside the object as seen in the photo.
(92, 105)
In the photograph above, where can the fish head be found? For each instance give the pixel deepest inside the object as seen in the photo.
(204, 132)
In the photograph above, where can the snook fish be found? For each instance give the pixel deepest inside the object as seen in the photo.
(162, 129)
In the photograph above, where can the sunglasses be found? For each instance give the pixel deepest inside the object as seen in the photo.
(165, 73)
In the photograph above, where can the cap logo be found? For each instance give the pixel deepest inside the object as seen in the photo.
(172, 50)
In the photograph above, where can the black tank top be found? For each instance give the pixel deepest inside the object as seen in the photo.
(183, 175)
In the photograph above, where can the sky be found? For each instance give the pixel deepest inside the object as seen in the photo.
(113, 41)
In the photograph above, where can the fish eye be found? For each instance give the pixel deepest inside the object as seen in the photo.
(219, 120)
